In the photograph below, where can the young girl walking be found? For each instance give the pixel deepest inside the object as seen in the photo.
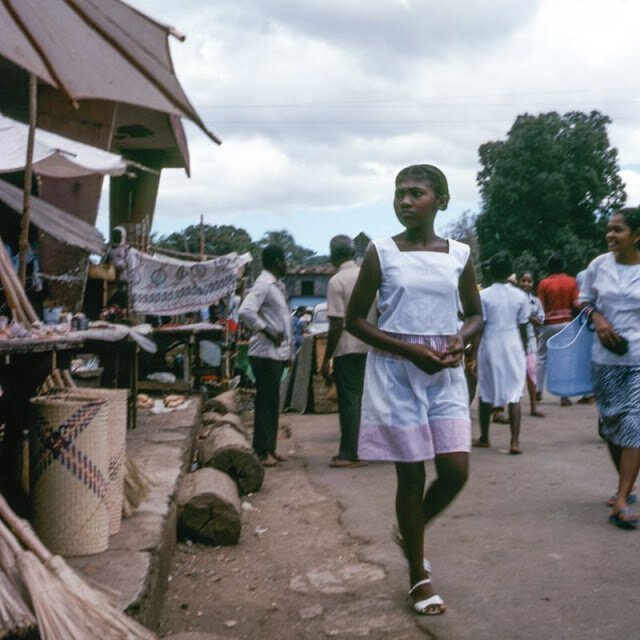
(415, 404)
(502, 366)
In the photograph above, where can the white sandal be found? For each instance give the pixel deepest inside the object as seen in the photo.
(397, 538)
(422, 606)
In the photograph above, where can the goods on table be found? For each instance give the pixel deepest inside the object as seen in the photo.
(143, 401)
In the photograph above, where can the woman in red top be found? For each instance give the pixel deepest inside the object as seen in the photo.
(558, 293)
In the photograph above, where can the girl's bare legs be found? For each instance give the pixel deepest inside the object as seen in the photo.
(514, 423)
(485, 419)
(533, 401)
(414, 509)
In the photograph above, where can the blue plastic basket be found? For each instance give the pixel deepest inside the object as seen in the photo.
(569, 359)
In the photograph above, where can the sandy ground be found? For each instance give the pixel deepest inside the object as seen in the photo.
(525, 552)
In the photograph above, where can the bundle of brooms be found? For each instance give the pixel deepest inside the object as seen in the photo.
(37, 586)
(21, 308)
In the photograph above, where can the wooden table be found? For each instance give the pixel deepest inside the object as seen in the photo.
(190, 335)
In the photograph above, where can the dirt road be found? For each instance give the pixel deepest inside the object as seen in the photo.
(526, 552)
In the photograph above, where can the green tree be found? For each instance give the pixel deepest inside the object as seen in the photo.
(294, 253)
(550, 186)
(218, 240)
(464, 230)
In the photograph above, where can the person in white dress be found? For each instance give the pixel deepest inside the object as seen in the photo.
(502, 366)
(536, 318)
(415, 404)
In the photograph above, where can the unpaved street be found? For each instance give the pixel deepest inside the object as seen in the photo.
(526, 552)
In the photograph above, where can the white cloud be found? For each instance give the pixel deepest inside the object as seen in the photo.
(320, 103)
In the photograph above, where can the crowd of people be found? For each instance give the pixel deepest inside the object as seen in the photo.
(411, 336)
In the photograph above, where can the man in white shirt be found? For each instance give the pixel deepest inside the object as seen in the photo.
(349, 354)
(266, 313)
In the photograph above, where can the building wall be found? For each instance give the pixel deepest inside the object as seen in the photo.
(294, 283)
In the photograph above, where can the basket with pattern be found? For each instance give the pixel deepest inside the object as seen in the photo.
(117, 401)
(70, 474)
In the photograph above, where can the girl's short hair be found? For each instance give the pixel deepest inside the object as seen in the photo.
(428, 173)
(501, 265)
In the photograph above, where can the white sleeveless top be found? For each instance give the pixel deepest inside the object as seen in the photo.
(419, 290)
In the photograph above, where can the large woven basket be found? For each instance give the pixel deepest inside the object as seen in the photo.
(117, 401)
(69, 474)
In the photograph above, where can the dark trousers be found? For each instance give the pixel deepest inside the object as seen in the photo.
(267, 407)
(348, 372)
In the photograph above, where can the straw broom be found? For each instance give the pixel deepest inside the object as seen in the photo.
(16, 619)
(137, 485)
(65, 605)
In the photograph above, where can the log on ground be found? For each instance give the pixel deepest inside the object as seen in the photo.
(213, 419)
(225, 402)
(209, 509)
(228, 450)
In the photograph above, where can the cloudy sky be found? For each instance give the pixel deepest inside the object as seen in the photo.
(319, 103)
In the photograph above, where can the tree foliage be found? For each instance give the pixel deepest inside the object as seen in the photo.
(463, 229)
(222, 239)
(294, 253)
(550, 186)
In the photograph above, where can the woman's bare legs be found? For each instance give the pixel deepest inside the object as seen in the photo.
(414, 509)
(629, 467)
(533, 401)
(485, 420)
(514, 423)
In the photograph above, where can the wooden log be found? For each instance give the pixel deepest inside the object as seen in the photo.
(213, 419)
(226, 402)
(209, 508)
(228, 450)
(210, 417)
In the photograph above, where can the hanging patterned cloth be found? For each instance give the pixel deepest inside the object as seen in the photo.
(159, 285)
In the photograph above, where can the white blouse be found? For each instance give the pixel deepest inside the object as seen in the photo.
(419, 290)
(615, 291)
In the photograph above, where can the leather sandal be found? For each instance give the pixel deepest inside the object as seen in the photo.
(422, 607)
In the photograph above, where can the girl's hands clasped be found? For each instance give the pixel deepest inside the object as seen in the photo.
(431, 361)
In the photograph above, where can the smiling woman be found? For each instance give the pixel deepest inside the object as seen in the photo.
(611, 295)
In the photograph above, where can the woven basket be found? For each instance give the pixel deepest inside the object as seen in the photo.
(69, 475)
(117, 401)
(325, 399)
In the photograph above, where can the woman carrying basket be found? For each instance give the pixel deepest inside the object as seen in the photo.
(611, 296)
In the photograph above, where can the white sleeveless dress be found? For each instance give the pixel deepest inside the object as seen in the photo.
(502, 365)
(408, 415)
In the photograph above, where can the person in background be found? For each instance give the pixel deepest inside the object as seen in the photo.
(298, 325)
(536, 318)
(558, 293)
(348, 353)
(501, 356)
(611, 297)
(265, 312)
(415, 404)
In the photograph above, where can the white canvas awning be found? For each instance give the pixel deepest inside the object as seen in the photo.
(53, 155)
(57, 223)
